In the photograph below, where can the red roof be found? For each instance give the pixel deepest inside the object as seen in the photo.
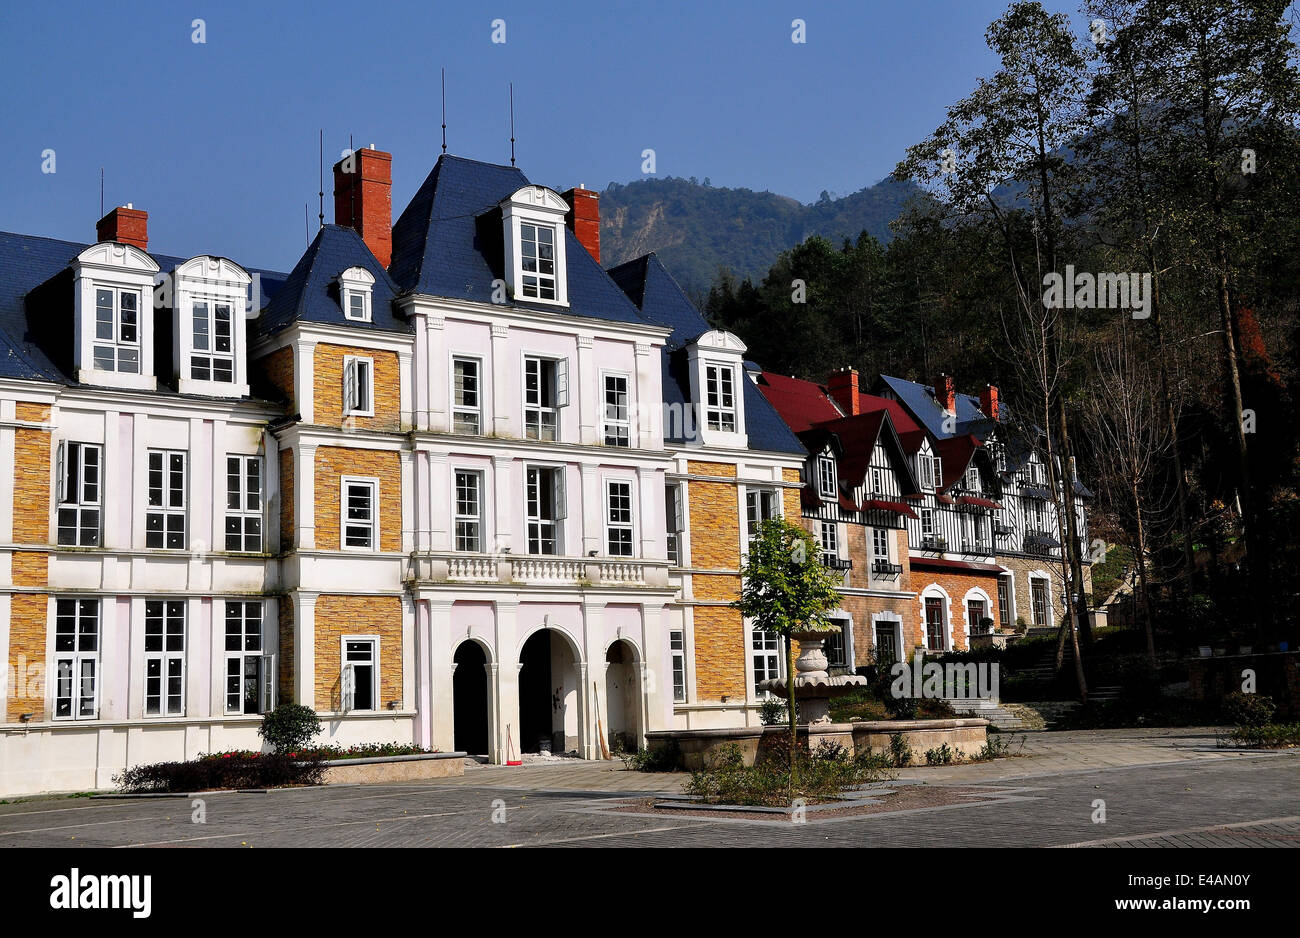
(883, 505)
(975, 500)
(938, 563)
(800, 403)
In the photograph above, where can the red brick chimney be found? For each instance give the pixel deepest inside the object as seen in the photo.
(584, 218)
(945, 392)
(843, 385)
(989, 402)
(125, 224)
(363, 199)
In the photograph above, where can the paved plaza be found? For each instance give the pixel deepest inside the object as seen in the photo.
(1160, 788)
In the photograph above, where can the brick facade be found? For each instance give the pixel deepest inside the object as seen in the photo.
(719, 653)
(32, 476)
(336, 616)
(327, 399)
(334, 462)
(27, 627)
(278, 369)
(956, 585)
(288, 503)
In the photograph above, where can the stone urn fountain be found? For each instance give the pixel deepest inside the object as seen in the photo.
(813, 685)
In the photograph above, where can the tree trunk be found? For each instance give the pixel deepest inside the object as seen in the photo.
(1142, 571)
(1167, 400)
(791, 707)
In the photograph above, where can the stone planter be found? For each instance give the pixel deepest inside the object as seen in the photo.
(394, 768)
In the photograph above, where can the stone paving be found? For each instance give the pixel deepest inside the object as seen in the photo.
(1158, 790)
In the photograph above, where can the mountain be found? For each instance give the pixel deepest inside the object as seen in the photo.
(697, 228)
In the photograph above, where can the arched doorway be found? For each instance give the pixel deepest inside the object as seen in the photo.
(549, 717)
(622, 697)
(469, 688)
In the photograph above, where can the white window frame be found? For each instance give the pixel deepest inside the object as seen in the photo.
(877, 481)
(80, 495)
(76, 659)
(265, 672)
(945, 620)
(356, 282)
(720, 411)
(169, 659)
(972, 479)
(927, 515)
(460, 517)
(211, 354)
(1046, 583)
(348, 672)
(542, 208)
(168, 511)
(371, 524)
(761, 504)
(460, 411)
(879, 540)
(619, 521)
(618, 429)
(543, 281)
(829, 539)
(765, 658)
(249, 509)
(677, 654)
(827, 480)
(116, 343)
(355, 404)
(534, 398)
(534, 520)
(675, 518)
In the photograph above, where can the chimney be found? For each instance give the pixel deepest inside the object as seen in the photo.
(989, 402)
(843, 385)
(945, 392)
(584, 218)
(126, 224)
(363, 199)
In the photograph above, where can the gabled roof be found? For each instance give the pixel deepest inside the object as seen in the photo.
(956, 453)
(448, 243)
(659, 299)
(801, 404)
(311, 291)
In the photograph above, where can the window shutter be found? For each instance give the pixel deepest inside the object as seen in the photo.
(350, 386)
(561, 502)
(842, 541)
(61, 471)
(679, 523)
(267, 692)
(562, 383)
(348, 680)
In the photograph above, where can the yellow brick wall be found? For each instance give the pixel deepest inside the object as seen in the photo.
(27, 623)
(328, 399)
(278, 368)
(710, 469)
(287, 494)
(792, 509)
(286, 649)
(30, 568)
(710, 588)
(337, 616)
(334, 462)
(719, 653)
(715, 525)
(32, 476)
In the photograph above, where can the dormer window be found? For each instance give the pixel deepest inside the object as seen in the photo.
(972, 479)
(356, 284)
(117, 330)
(826, 476)
(720, 397)
(533, 221)
(208, 342)
(537, 257)
(113, 316)
(213, 341)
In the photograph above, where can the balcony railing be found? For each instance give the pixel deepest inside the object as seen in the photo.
(457, 567)
(934, 542)
(979, 548)
(1002, 530)
(885, 568)
(836, 563)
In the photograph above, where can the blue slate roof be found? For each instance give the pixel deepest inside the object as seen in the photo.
(920, 402)
(310, 293)
(647, 283)
(28, 265)
(448, 243)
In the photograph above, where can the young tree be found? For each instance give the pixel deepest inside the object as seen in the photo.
(785, 589)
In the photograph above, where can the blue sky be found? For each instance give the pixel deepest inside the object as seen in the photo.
(218, 141)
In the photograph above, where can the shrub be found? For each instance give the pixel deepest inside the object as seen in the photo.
(1249, 709)
(900, 753)
(223, 771)
(942, 755)
(667, 758)
(995, 747)
(1268, 736)
(822, 775)
(773, 711)
(289, 726)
